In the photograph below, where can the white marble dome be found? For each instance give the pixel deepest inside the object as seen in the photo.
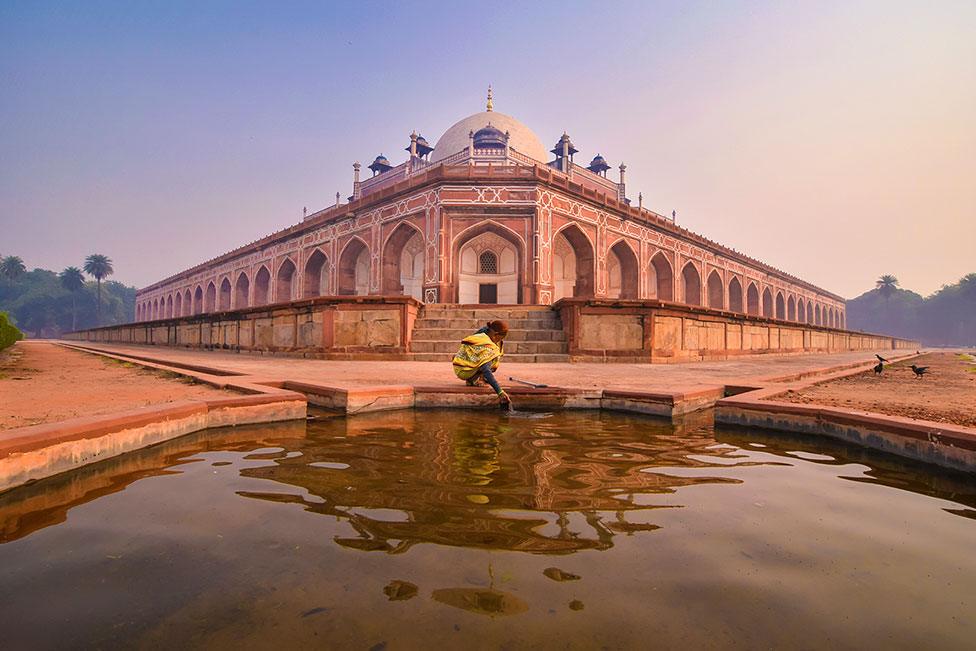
(521, 137)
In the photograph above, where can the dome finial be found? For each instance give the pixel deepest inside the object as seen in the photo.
(490, 105)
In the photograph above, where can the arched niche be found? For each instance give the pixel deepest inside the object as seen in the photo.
(622, 269)
(780, 306)
(572, 264)
(767, 303)
(242, 289)
(690, 285)
(198, 300)
(752, 299)
(224, 296)
(316, 275)
(735, 295)
(285, 282)
(262, 286)
(660, 278)
(716, 291)
(488, 268)
(353, 272)
(403, 262)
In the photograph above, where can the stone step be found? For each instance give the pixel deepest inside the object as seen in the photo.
(474, 324)
(489, 314)
(513, 359)
(513, 348)
(457, 334)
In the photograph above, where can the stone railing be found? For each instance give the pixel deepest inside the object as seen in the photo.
(656, 331)
(334, 327)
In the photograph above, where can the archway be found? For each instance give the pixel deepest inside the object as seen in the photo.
(169, 306)
(810, 318)
(752, 299)
(187, 303)
(735, 295)
(816, 315)
(801, 311)
(488, 270)
(353, 274)
(198, 300)
(843, 321)
(716, 298)
(178, 305)
(225, 293)
(210, 302)
(155, 309)
(780, 306)
(767, 303)
(690, 285)
(660, 278)
(572, 264)
(241, 290)
(403, 262)
(285, 285)
(791, 309)
(262, 286)
(622, 268)
(316, 275)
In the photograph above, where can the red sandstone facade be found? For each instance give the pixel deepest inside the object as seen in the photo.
(489, 221)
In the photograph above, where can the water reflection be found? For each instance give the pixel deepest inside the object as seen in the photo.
(551, 486)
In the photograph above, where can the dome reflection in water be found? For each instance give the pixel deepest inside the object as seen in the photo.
(418, 529)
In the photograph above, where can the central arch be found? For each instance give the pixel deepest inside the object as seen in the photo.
(572, 264)
(488, 265)
(735, 295)
(403, 262)
(353, 274)
(622, 268)
(690, 285)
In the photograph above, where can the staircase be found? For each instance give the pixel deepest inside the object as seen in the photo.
(535, 334)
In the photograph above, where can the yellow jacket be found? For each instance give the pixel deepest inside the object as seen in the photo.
(476, 350)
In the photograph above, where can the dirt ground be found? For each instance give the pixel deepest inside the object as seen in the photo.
(946, 394)
(45, 383)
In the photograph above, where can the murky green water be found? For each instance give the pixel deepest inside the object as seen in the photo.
(475, 530)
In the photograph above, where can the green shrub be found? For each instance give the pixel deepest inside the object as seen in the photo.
(8, 332)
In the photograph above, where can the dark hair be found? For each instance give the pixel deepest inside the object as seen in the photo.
(498, 327)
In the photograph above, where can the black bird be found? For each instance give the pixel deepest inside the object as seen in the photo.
(919, 371)
(880, 358)
(879, 368)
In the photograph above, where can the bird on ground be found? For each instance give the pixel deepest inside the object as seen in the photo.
(879, 368)
(919, 371)
(880, 358)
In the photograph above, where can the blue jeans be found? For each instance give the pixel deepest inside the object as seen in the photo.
(485, 371)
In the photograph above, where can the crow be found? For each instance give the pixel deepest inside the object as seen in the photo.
(879, 368)
(919, 371)
(880, 358)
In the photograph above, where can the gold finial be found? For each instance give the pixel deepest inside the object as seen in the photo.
(490, 105)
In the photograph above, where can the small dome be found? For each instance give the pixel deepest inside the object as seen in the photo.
(521, 138)
(598, 164)
(381, 164)
(489, 138)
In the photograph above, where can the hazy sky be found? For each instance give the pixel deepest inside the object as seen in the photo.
(836, 141)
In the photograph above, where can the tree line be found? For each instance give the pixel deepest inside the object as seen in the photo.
(946, 318)
(44, 303)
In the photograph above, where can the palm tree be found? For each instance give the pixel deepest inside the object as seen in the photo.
(12, 267)
(887, 285)
(73, 281)
(98, 266)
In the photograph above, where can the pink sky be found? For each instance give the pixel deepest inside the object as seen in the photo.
(836, 141)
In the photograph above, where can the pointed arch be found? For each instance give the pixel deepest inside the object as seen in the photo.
(843, 320)
(690, 284)
(716, 291)
(169, 306)
(223, 298)
(262, 286)
(810, 318)
(660, 278)
(507, 284)
(210, 299)
(584, 283)
(155, 309)
(353, 272)
(735, 295)
(178, 304)
(801, 310)
(242, 290)
(791, 308)
(752, 299)
(816, 315)
(316, 275)
(187, 302)
(767, 303)
(628, 266)
(198, 300)
(780, 306)
(285, 282)
(403, 261)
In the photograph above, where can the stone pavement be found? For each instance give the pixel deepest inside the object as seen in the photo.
(653, 378)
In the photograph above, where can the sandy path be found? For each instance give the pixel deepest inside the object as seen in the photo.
(44, 383)
(946, 394)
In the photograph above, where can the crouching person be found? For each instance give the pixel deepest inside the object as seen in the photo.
(479, 357)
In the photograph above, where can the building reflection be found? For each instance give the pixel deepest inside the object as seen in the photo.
(559, 485)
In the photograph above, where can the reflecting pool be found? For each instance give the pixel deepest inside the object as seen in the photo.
(442, 529)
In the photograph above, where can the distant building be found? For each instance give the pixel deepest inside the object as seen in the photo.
(487, 215)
